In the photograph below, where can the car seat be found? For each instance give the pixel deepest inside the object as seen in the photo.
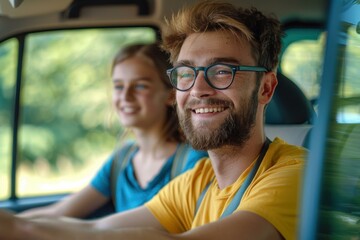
(289, 115)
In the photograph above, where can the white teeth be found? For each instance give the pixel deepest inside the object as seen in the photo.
(128, 110)
(209, 110)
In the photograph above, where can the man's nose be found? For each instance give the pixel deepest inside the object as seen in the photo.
(201, 88)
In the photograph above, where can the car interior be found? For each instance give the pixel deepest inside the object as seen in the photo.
(289, 115)
(57, 126)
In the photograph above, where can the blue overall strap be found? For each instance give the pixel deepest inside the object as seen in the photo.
(237, 198)
(198, 202)
(121, 158)
(239, 194)
(180, 159)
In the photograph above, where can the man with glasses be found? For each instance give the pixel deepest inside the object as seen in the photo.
(225, 61)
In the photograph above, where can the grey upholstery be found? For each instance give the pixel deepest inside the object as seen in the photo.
(290, 114)
(289, 105)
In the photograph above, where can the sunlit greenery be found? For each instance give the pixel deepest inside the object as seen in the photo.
(66, 92)
(302, 62)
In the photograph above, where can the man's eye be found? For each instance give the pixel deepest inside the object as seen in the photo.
(186, 75)
(219, 71)
(223, 71)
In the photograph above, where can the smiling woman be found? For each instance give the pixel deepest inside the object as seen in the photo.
(135, 171)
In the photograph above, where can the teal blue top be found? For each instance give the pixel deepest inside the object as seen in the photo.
(129, 194)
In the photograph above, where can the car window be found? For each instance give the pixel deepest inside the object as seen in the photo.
(8, 60)
(66, 125)
(348, 104)
(302, 59)
(302, 62)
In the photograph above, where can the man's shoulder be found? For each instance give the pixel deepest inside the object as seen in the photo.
(281, 152)
(201, 167)
(201, 172)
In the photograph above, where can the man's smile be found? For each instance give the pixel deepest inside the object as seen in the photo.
(208, 110)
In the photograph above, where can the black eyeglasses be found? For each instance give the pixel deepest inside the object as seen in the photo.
(218, 75)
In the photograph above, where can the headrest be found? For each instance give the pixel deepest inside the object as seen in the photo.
(289, 105)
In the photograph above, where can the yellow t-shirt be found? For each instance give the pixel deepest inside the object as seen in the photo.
(273, 194)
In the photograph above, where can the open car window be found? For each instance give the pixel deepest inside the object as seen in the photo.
(302, 59)
(64, 122)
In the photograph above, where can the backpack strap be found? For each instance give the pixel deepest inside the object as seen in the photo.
(121, 158)
(180, 159)
(240, 192)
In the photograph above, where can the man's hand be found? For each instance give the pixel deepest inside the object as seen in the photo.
(8, 225)
(117, 226)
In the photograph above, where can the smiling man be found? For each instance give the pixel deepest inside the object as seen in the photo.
(225, 61)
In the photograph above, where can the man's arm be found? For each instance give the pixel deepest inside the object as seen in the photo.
(239, 225)
(139, 217)
(77, 205)
(136, 224)
(112, 227)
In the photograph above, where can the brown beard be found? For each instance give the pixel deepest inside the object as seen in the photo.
(235, 130)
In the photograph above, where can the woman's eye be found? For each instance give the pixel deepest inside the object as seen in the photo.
(118, 87)
(140, 86)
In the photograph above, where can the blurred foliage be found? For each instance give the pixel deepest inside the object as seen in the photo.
(65, 98)
(302, 61)
(340, 198)
(338, 225)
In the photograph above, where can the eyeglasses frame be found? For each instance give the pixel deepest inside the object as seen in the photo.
(234, 69)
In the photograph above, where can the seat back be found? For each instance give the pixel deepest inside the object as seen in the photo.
(289, 115)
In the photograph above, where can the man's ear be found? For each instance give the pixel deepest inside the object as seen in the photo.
(267, 87)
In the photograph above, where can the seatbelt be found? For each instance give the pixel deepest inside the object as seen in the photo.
(122, 157)
(180, 159)
(239, 194)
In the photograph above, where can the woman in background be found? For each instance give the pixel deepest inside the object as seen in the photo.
(143, 98)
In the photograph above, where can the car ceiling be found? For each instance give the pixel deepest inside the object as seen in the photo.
(26, 15)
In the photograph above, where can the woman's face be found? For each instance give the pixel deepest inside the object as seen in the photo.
(139, 96)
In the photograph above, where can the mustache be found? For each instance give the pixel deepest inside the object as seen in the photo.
(208, 101)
